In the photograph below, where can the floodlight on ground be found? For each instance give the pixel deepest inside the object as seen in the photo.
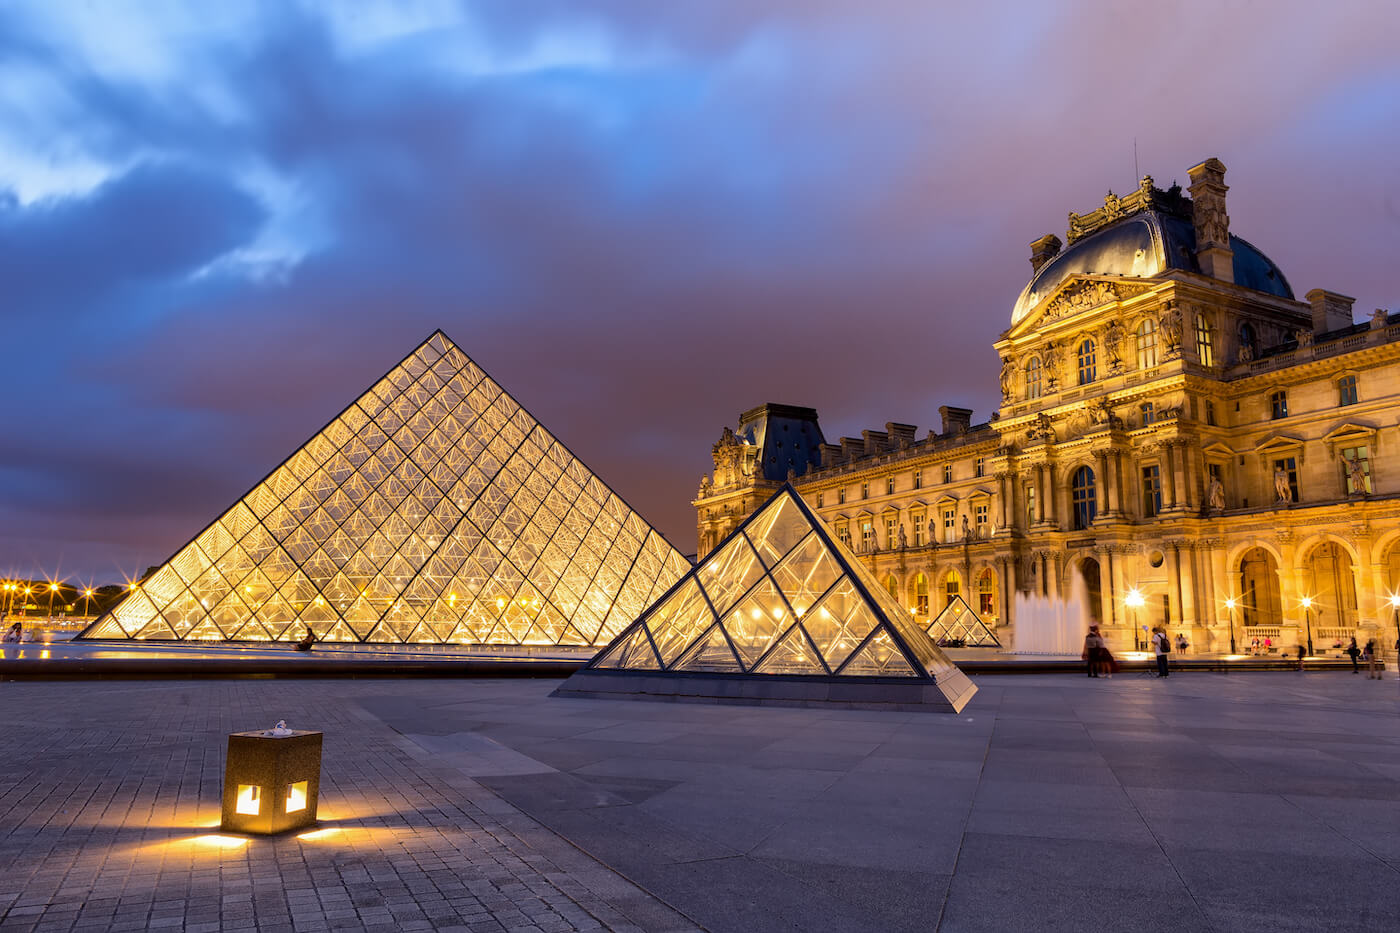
(271, 780)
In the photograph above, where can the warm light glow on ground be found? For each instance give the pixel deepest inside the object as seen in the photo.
(214, 840)
(316, 835)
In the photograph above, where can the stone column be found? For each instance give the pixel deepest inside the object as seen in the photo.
(1052, 513)
(1169, 474)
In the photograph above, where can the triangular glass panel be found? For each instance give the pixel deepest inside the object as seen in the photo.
(793, 654)
(712, 654)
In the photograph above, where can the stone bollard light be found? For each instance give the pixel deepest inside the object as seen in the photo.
(271, 780)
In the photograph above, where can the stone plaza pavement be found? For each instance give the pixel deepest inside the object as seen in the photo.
(1265, 801)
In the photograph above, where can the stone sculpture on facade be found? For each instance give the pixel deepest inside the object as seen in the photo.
(1215, 496)
(903, 542)
(1282, 489)
(1356, 476)
(1170, 326)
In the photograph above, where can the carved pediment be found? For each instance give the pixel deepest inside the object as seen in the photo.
(1076, 295)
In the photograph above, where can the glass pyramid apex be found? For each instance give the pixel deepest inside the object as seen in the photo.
(433, 510)
(781, 595)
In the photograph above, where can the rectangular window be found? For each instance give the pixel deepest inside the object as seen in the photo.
(889, 485)
(950, 526)
(865, 490)
(1346, 390)
(1205, 345)
(867, 535)
(841, 496)
(1278, 405)
(1289, 466)
(919, 519)
(1149, 413)
(979, 469)
(843, 534)
(980, 518)
(947, 472)
(1356, 469)
(1030, 505)
(891, 533)
(918, 479)
(821, 497)
(1151, 491)
(1210, 412)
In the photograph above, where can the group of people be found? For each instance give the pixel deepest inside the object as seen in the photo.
(1373, 662)
(1099, 661)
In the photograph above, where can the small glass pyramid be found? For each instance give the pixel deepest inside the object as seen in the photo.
(959, 626)
(780, 596)
(433, 510)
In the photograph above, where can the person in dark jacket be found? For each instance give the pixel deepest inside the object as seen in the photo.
(1354, 652)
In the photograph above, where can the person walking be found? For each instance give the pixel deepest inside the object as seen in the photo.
(1093, 645)
(1181, 643)
(1373, 660)
(1354, 652)
(1162, 647)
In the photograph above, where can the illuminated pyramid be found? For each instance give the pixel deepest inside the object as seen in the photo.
(433, 510)
(957, 623)
(782, 613)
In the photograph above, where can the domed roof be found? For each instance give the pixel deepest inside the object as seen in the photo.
(1143, 245)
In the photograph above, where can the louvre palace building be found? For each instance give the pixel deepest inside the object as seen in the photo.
(1182, 440)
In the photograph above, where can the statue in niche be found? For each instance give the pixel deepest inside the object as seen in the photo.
(1051, 367)
(966, 529)
(1170, 326)
(1304, 338)
(1215, 496)
(932, 532)
(1379, 318)
(1008, 372)
(1282, 489)
(1112, 346)
(903, 542)
(1245, 354)
(1356, 476)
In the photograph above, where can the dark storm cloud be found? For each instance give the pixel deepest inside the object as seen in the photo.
(640, 217)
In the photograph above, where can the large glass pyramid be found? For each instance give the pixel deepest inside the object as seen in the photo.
(433, 510)
(959, 626)
(780, 597)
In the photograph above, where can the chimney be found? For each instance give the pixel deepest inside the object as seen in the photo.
(955, 419)
(901, 434)
(1213, 253)
(876, 442)
(1330, 311)
(831, 455)
(1043, 250)
(852, 448)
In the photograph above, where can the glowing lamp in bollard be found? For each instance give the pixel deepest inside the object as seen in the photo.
(271, 780)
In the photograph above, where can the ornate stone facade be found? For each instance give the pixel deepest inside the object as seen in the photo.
(1150, 426)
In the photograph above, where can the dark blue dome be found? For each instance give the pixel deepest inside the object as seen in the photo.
(1143, 245)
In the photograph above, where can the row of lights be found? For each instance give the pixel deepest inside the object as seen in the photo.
(14, 589)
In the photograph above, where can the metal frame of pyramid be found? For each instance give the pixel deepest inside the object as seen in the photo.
(779, 612)
(434, 509)
(966, 626)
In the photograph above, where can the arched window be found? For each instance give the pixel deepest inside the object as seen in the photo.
(1083, 498)
(1147, 344)
(1088, 370)
(1033, 378)
(952, 586)
(1249, 340)
(892, 586)
(921, 594)
(986, 594)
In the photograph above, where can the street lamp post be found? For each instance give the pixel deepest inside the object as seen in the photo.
(87, 600)
(1307, 617)
(1133, 600)
(1395, 609)
(1230, 605)
(53, 588)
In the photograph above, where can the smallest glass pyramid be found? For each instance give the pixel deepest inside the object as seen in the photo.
(959, 626)
(780, 598)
